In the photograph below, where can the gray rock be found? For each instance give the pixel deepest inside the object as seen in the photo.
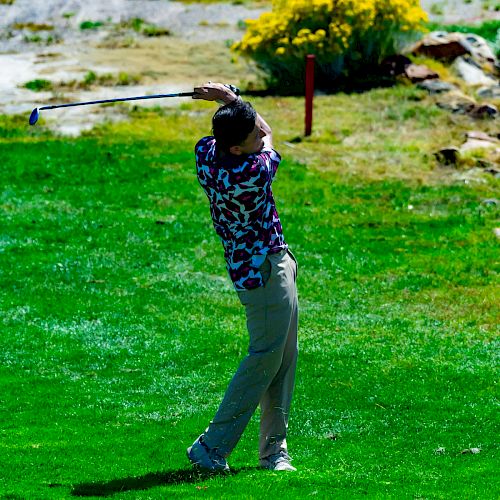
(489, 92)
(436, 86)
(490, 202)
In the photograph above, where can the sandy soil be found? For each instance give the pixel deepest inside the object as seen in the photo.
(167, 64)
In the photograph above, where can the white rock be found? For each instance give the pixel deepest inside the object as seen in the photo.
(471, 74)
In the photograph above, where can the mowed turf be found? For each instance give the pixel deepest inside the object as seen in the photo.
(120, 329)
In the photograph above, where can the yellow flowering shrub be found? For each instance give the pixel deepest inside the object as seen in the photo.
(346, 36)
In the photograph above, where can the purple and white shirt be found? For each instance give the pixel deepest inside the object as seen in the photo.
(242, 208)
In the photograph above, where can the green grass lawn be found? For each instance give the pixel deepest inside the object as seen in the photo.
(121, 330)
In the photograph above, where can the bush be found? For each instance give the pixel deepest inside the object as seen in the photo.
(38, 85)
(348, 37)
(91, 25)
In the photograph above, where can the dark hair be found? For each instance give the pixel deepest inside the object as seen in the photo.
(232, 123)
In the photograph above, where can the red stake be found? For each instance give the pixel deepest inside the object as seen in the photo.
(309, 92)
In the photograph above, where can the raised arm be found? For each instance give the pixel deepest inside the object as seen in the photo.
(215, 92)
(268, 139)
(222, 94)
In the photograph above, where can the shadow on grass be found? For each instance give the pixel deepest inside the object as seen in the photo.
(152, 480)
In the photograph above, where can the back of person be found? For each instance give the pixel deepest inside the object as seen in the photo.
(242, 207)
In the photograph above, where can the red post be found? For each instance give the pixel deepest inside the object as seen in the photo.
(309, 92)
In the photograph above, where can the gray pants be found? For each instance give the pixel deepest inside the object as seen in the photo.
(267, 373)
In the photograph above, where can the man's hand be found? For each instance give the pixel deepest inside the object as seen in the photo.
(215, 92)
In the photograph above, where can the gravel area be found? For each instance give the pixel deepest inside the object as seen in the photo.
(459, 11)
(181, 19)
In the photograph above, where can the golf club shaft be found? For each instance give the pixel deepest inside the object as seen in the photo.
(156, 96)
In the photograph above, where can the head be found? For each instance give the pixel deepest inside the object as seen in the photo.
(235, 129)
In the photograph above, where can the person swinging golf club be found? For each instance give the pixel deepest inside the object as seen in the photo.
(236, 167)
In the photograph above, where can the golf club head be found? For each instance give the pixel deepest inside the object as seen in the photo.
(34, 116)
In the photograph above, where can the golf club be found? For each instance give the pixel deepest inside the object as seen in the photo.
(36, 112)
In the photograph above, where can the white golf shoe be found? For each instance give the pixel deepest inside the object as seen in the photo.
(278, 461)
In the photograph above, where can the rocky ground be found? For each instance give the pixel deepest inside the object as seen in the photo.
(42, 39)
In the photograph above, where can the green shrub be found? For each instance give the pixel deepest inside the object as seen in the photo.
(151, 30)
(38, 85)
(33, 26)
(90, 25)
(127, 79)
(144, 28)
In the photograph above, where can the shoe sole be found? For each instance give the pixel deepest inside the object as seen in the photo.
(270, 467)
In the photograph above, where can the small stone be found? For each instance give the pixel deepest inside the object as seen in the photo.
(482, 136)
(493, 171)
(471, 451)
(489, 92)
(436, 86)
(490, 202)
(448, 156)
(420, 73)
(456, 102)
(484, 111)
(473, 144)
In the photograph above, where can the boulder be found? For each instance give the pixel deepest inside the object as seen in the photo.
(419, 73)
(440, 45)
(471, 73)
(436, 86)
(449, 46)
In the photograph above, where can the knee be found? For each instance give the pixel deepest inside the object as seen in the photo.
(270, 359)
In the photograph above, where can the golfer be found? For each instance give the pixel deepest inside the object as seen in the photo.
(236, 167)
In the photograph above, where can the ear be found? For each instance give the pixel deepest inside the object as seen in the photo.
(235, 150)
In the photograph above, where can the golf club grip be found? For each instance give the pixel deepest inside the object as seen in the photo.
(103, 101)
